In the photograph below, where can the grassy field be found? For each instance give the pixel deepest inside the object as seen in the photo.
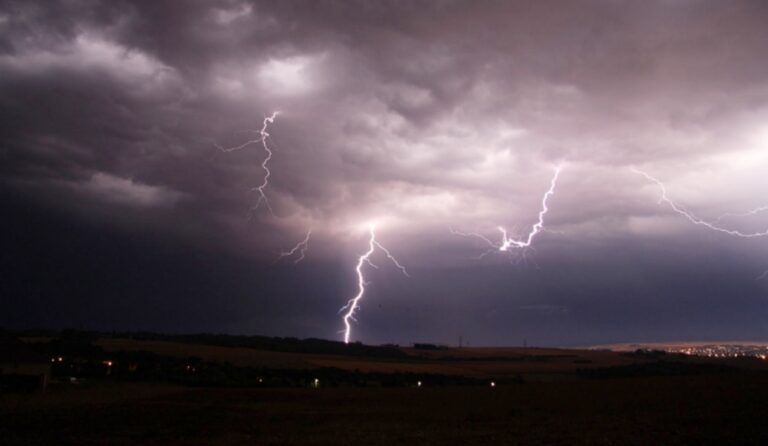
(475, 362)
(480, 362)
(701, 410)
(567, 397)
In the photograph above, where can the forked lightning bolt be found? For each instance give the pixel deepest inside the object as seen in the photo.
(696, 220)
(352, 305)
(300, 247)
(749, 213)
(262, 139)
(508, 242)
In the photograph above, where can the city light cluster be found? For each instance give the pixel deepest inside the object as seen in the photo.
(724, 351)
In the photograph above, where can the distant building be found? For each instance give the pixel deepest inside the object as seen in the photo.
(21, 368)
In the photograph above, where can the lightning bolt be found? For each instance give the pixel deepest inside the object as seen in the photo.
(508, 242)
(262, 139)
(694, 219)
(300, 247)
(354, 302)
(749, 213)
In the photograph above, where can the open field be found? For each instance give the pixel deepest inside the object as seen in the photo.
(479, 362)
(540, 397)
(702, 410)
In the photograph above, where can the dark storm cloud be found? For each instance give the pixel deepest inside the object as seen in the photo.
(420, 115)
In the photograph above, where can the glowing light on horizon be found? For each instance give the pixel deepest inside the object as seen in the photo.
(508, 242)
(262, 139)
(352, 305)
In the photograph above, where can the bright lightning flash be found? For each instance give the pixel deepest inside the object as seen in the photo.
(300, 247)
(262, 139)
(352, 305)
(508, 242)
(696, 220)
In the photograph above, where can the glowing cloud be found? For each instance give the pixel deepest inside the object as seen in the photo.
(288, 76)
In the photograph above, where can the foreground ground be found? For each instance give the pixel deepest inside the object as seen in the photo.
(111, 390)
(717, 409)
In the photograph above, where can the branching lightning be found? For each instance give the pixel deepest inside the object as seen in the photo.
(749, 213)
(709, 225)
(508, 242)
(694, 219)
(262, 139)
(352, 305)
(300, 247)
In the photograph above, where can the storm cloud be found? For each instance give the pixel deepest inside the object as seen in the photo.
(420, 116)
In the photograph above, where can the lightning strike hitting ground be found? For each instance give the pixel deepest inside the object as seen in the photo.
(263, 137)
(300, 247)
(353, 303)
(692, 218)
(508, 242)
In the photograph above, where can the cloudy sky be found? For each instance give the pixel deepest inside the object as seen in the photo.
(120, 211)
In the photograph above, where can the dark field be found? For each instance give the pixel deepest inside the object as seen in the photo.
(541, 396)
(640, 411)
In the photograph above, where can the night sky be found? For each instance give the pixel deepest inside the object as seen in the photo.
(119, 211)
